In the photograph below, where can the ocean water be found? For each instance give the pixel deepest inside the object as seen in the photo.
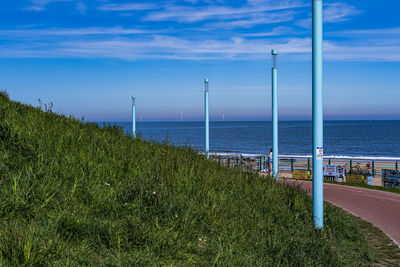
(350, 138)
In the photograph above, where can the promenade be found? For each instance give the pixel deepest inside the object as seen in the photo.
(380, 208)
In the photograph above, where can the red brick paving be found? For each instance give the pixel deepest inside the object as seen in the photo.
(380, 208)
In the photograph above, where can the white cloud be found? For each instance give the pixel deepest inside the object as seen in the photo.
(124, 44)
(40, 5)
(274, 32)
(366, 52)
(127, 7)
(394, 32)
(147, 46)
(365, 45)
(34, 8)
(194, 14)
(39, 33)
(337, 12)
(213, 38)
(46, 2)
(253, 20)
(333, 12)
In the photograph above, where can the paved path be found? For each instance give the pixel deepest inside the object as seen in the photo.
(382, 209)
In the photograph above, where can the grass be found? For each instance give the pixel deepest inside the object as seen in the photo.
(386, 252)
(72, 193)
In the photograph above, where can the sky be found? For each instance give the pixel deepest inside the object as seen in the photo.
(89, 57)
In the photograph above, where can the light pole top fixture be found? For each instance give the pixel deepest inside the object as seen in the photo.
(274, 53)
(206, 84)
(133, 99)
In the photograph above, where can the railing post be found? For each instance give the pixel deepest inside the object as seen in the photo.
(291, 165)
(329, 161)
(397, 166)
(229, 162)
(351, 164)
(308, 164)
(373, 167)
(219, 161)
(263, 163)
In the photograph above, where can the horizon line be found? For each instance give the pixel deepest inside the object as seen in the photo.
(285, 120)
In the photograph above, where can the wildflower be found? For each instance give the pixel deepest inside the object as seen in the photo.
(107, 184)
(154, 192)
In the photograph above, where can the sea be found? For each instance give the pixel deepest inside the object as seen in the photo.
(346, 138)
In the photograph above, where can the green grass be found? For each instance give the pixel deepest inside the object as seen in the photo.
(72, 194)
(380, 188)
(386, 252)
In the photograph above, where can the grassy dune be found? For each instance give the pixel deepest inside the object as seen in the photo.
(72, 194)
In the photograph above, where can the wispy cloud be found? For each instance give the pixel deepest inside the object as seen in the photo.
(128, 7)
(39, 33)
(134, 44)
(131, 43)
(365, 52)
(365, 45)
(40, 5)
(207, 30)
(253, 20)
(274, 32)
(393, 32)
(34, 8)
(151, 46)
(46, 2)
(221, 12)
(333, 12)
(337, 12)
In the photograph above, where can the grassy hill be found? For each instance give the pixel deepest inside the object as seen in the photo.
(72, 194)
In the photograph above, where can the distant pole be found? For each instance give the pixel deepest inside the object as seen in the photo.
(223, 115)
(133, 116)
(275, 168)
(318, 143)
(206, 116)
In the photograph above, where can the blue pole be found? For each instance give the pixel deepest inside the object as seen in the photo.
(133, 116)
(275, 169)
(206, 116)
(318, 150)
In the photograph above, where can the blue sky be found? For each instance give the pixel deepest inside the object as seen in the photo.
(88, 57)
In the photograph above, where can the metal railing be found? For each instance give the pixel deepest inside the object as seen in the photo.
(236, 161)
(289, 163)
(376, 164)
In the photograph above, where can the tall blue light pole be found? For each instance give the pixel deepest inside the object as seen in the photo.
(133, 116)
(317, 111)
(275, 168)
(206, 116)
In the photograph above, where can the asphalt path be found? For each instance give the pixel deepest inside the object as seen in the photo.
(380, 208)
